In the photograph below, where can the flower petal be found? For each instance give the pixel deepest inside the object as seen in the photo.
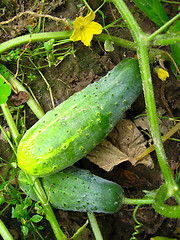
(86, 37)
(89, 18)
(76, 35)
(79, 21)
(162, 74)
(94, 28)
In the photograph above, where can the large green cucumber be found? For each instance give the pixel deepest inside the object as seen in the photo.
(71, 130)
(75, 189)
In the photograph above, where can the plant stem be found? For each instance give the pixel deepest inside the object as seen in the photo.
(4, 232)
(10, 121)
(38, 188)
(47, 207)
(166, 39)
(164, 27)
(37, 37)
(118, 41)
(142, 42)
(165, 137)
(95, 226)
(137, 201)
(34, 105)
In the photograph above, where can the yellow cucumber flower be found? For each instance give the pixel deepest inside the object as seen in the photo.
(162, 74)
(85, 28)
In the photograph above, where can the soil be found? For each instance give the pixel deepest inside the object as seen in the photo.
(72, 75)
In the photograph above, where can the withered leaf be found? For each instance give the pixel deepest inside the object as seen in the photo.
(20, 98)
(126, 143)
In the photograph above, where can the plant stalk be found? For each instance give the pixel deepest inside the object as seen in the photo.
(166, 39)
(36, 37)
(10, 121)
(164, 27)
(4, 232)
(142, 42)
(34, 105)
(49, 212)
(132, 201)
(117, 41)
(47, 207)
(95, 226)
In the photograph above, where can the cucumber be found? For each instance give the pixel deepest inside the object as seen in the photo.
(74, 189)
(71, 130)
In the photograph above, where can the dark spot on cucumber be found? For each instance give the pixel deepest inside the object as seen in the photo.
(81, 148)
(50, 149)
(87, 135)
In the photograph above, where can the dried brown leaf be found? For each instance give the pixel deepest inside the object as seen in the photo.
(126, 143)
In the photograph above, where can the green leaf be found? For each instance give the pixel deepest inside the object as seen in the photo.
(5, 91)
(154, 10)
(175, 53)
(175, 27)
(3, 71)
(108, 45)
(36, 218)
(49, 45)
(17, 212)
(25, 230)
(77, 235)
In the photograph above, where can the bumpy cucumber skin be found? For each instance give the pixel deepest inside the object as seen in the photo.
(74, 189)
(71, 130)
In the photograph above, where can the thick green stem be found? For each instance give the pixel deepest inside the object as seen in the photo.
(166, 39)
(151, 110)
(141, 40)
(95, 226)
(34, 105)
(4, 232)
(164, 27)
(10, 121)
(117, 41)
(129, 19)
(137, 201)
(47, 208)
(38, 188)
(37, 37)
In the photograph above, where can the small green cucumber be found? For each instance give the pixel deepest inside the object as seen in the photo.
(71, 130)
(74, 189)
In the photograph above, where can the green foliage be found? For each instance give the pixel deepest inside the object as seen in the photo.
(175, 49)
(22, 211)
(5, 89)
(12, 55)
(108, 45)
(154, 10)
